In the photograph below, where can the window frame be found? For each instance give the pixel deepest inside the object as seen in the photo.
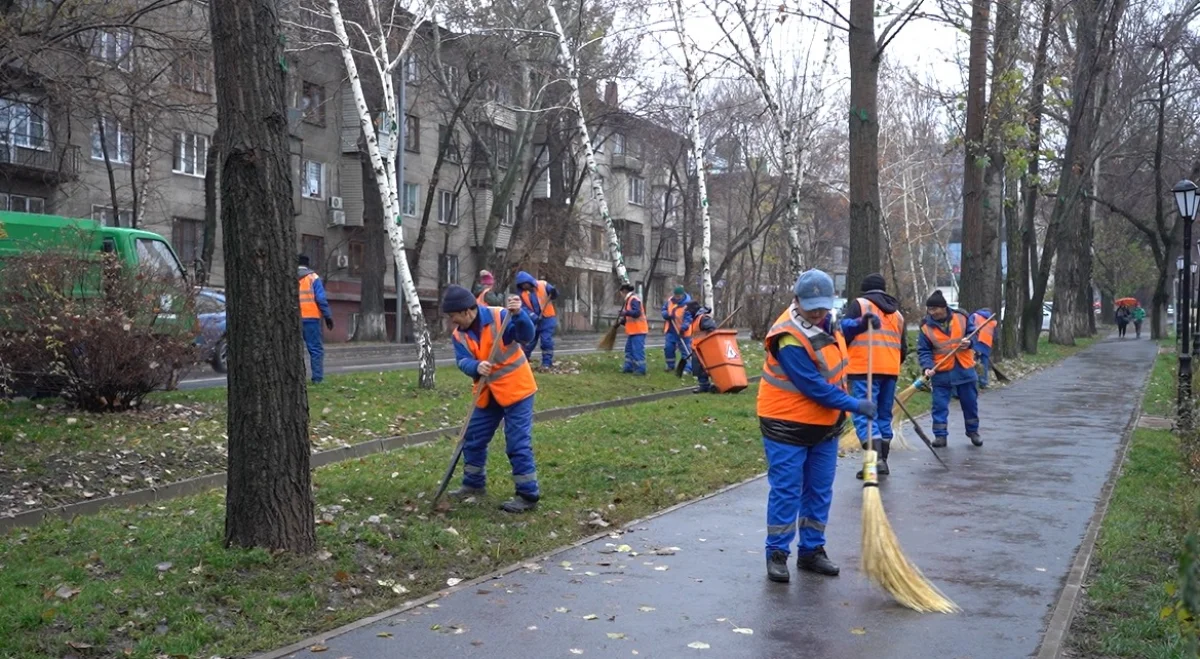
(200, 155)
(446, 264)
(6, 204)
(408, 203)
(314, 115)
(103, 215)
(187, 234)
(636, 191)
(122, 154)
(317, 258)
(509, 219)
(412, 133)
(191, 71)
(443, 196)
(356, 254)
(33, 114)
(106, 40)
(305, 191)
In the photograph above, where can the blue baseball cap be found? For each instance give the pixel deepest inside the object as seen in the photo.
(814, 289)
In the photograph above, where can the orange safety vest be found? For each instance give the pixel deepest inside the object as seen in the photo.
(481, 298)
(635, 326)
(676, 311)
(885, 343)
(543, 298)
(945, 346)
(511, 380)
(986, 334)
(696, 332)
(778, 397)
(308, 300)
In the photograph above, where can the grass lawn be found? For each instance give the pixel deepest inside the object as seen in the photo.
(1152, 508)
(52, 456)
(155, 580)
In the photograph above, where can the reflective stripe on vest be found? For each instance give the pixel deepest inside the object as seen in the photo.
(884, 342)
(511, 380)
(947, 343)
(676, 312)
(635, 325)
(696, 332)
(778, 397)
(987, 334)
(308, 299)
(543, 300)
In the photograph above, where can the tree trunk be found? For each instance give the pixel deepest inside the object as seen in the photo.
(372, 323)
(269, 501)
(978, 239)
(865, 231)
(1031, 314)
(1014, 282)
(212, 181)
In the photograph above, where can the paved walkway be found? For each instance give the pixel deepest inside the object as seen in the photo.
(998, 534)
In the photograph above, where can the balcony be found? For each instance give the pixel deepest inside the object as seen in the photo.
(50, 162)
(627, 161)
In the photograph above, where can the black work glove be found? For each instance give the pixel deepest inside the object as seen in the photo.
(868, 408)
(873, 320)
(329, 324)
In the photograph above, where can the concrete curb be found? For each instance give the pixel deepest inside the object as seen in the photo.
(407, 606)
(1063, 613)
(381, 445)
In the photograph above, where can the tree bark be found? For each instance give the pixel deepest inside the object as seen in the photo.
(865, 230)
(269, 501)
(978, 240)
(372, 323)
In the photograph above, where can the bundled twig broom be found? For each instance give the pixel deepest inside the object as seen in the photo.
(883, 561)
(610, 338)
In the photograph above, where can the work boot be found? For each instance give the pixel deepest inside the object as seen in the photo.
(939, 442)
(817, 561)
(464, 492)
(884, 449)
(704, 390)
(975, 438)
(519, 504)
(777, 567)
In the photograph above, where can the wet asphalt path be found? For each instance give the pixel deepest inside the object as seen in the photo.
(997, 534)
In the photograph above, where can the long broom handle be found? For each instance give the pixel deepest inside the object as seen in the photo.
(870, 376)
(968, 337)
(729, 317)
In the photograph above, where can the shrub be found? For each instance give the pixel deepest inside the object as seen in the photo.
(81, 326)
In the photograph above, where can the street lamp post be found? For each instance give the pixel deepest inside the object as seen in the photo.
(1180, 291)
(1185, 200)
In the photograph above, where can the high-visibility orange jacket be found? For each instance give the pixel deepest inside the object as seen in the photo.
(885, 343)
(986, 334)
(308, 299)
(639, 325)
(543, 299)
(511, 380)
(778, 397)
(943, 344)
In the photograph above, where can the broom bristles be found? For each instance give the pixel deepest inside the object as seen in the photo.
(848, 442)
(884, 563)
(609, 339)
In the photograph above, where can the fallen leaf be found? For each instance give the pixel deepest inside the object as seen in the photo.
(562, 609)
(624, 548)
(590, 616)
(532, 628)
(646, 609)
(79, 645)
(433, 606)
(743, 630)
(565, 564)
(1040, 569)
(66, 592)
(453, 581)
(163, 567)
(318, 648)
(592, 574)
(324, 555)
(451, 530)
(699, 645)
(341, 576)
(384, 634)
(576, 651)
(616, 636)
(662, 568)
(858, 631)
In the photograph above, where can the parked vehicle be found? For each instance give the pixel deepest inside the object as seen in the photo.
(1047, 313)
(210, 312)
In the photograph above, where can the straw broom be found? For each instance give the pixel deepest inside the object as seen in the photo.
(883, 561)
(610, 338)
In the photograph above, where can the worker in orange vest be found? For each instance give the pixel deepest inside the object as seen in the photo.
(944, 332)
(313, 307)
(884, 351)
(538, 297)
(508, 389)
(633, 319)
(702, 324)
(983, 343)
(802, 401)
(677, 326)
(485, 295)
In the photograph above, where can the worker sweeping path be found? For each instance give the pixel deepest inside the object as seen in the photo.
(802, 402)
(677, 326)
(889, 347)
(633, 319)
(702, 324)
(945, 332)
(537, 298)
(998, 532)
(508, 396)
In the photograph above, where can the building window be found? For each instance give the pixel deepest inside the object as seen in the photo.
(447, 208)
(104, 215)
(498, 142)
(314, 248)
(633, 239)
(637, 190)
(114, 47)
(618, 142)
(108, 134)
(191, 71)
(449, 144)
(314, 179)
(598, 239)
(510, 215)
(312, 103)
(412, 134)
(448, 268)
(187, 237)
(411, 192)
(412, 70)
(355, 250)
(191, 154)
(670, 245)
(22, 203)
(22, 124)
(452, 77)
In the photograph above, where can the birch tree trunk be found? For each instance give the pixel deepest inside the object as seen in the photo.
(384, 168)
(689, 72)
(614, 241)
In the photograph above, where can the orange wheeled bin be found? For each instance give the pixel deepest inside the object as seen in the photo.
(718, 352)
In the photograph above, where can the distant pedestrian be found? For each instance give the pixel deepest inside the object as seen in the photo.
(1122, 318)
(677, 326)
(484, 295)
(537, 297)
(702, 324)
(1139, 314)
(633, 319)
(313, 307)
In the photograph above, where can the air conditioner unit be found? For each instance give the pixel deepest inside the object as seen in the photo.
(337, 218)
(343, 261)
(335, 203)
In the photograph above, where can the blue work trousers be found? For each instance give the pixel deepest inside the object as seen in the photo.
(985, 360)
(883, 392)
(543, 333)
(635, 354)
(701, 373)
(968, 397)
(316, 347)
(518, 435)
(675, 342)
(801, 482)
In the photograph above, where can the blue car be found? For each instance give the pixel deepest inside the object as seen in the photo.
(210, 312)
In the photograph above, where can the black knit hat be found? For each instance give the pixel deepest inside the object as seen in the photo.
(937, 300)
(627, 287)
(873, 282)
(457, 298)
